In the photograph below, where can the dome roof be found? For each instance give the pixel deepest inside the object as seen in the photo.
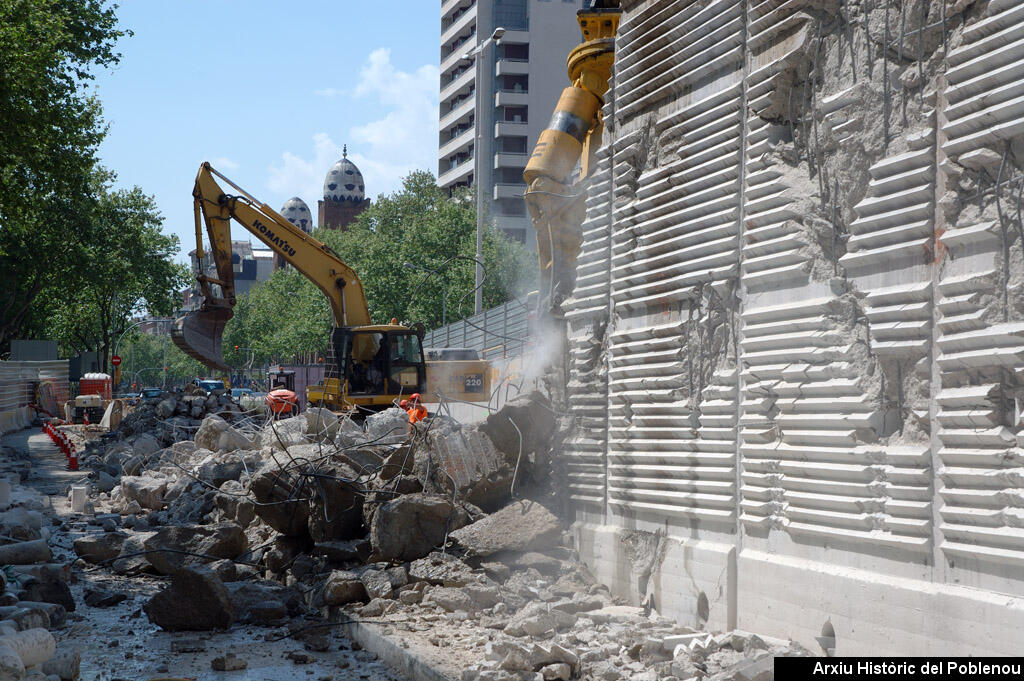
(297, 212)
(344, 182)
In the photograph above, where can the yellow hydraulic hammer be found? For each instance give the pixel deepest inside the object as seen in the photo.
(572, 137)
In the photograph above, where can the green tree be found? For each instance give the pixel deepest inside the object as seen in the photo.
(143, 361)
(127, 269)
(421, 225)
(49, 132)
(282, 317)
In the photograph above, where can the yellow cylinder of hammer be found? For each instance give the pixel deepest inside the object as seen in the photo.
(561, 143)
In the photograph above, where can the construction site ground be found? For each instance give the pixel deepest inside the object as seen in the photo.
(118, 642)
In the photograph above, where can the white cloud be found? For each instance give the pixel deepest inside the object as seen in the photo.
(403, 139)
(296, 176)
(223, 163)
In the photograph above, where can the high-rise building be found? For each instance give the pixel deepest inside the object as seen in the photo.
(522, 78)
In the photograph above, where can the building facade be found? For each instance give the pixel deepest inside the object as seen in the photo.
(523, 77)
(252, 266)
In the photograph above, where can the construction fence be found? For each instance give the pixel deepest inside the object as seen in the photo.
(25, 385)
(499, 333)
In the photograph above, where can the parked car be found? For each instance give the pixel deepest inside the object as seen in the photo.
(210, 385)
(239, 393)
(151, 393)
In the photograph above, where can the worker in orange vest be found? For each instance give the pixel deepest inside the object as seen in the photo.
(417, 412)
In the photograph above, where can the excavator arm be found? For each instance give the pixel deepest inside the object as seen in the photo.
(200, 333)
(555, 202)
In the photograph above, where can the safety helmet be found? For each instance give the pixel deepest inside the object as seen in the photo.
(403, 404)
(415, 397)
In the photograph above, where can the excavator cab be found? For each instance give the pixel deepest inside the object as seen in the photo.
(380, 361)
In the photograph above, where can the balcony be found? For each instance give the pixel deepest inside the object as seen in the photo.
(457, 174)
(458, 85)
(463, 110)
(448, 62)
(463, 140)
(512, 67)
(449, 6)
(511, 98)
(511, 128)
(504, 190)
(508, 159)
(467, 20)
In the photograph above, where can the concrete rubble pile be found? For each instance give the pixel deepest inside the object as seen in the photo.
(451, 528)
(35, 596)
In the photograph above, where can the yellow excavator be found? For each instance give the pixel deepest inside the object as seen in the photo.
(368, 366)
(555, 194)
(556, 202)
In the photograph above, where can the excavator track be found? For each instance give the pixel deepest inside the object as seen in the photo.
(200, 335)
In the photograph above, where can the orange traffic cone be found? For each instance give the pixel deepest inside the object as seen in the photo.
(73, 461)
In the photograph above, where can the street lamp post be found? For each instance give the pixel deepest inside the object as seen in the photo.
(477, 55)
(143, 321)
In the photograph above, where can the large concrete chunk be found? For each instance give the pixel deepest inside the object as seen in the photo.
(217, 435)
(148, 490)
(466, 459)
(335, 503)
(321, 424)
(412, 525)
(285, 433)
(343, 587)
(519, 526)
(99, 548)
(523, 426)
(196, 601)
(390, 426)
(173, 548)
(280, 499)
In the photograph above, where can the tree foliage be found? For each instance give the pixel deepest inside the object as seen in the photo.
(144, 356)
(127, 269)
(420, 225)
(436, 234)
(49, 133)
(282, 317)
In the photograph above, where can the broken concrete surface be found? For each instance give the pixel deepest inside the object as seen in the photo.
(519, 526)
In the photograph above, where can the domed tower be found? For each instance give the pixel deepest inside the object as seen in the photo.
(296, 212)
(344, 194)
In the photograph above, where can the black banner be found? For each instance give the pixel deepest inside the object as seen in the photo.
(897, 668)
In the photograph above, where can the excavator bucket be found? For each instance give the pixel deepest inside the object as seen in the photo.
(199, 334)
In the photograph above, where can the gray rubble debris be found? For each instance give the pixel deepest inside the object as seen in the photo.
(196, 600)
(519, 526)
(217, 435)
(174, 547)
(412, 525)
(390, 426)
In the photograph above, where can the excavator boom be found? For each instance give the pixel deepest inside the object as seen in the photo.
(200, 333)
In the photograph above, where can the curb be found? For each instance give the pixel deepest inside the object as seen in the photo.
(399, 659)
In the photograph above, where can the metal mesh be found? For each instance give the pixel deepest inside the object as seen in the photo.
(499, 332)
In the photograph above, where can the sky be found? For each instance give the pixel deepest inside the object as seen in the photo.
(268, 92)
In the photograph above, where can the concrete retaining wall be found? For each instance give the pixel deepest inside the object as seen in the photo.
(798, 328)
